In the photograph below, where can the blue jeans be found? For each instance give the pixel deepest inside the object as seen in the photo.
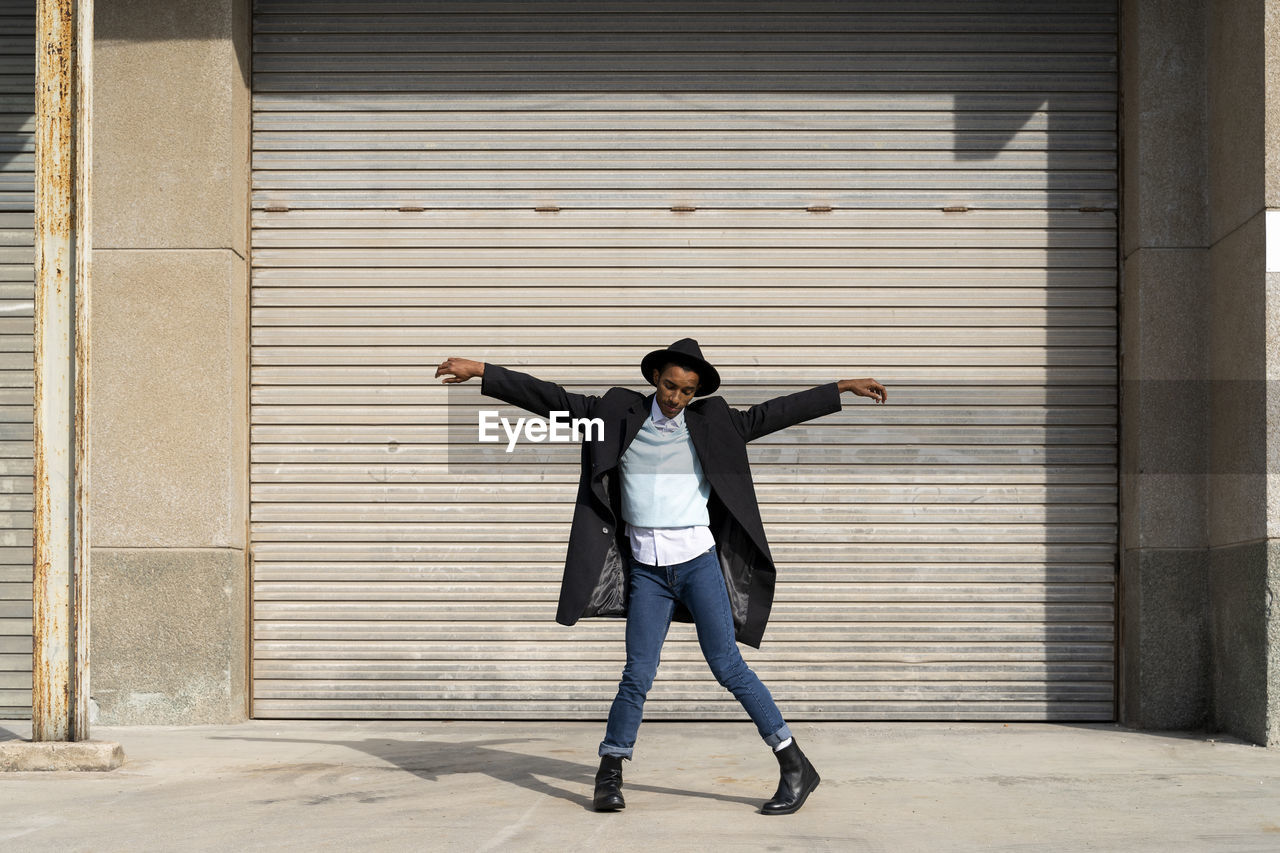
(654, 590)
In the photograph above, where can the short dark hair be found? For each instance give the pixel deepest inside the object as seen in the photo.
(679, 362)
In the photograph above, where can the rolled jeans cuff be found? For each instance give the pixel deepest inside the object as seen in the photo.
(617, 751)
(779, 736)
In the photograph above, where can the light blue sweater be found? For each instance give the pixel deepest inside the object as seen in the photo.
(662, 480)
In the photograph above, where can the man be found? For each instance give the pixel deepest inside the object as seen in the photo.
(666, 526)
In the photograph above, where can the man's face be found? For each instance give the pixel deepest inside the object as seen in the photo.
(676, 387)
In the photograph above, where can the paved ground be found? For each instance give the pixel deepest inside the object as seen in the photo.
(898, 787)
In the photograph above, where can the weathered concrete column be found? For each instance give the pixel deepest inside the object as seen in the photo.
(1244, 362)
(171, 361)
(1165, 668)
(1200, 437)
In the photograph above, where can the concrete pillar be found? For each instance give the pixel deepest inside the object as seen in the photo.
(1243, 519)
(1165, 667)
(1200, 436)
(170, 369)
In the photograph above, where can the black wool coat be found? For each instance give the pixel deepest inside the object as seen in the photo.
(597, 566)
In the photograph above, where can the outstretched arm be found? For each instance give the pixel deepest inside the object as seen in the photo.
(518, 389)
(782, 412)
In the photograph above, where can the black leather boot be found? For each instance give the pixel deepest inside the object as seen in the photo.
(796, 783)
(608, 796)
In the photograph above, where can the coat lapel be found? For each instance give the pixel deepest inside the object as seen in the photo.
(700, 435)
(635, 419)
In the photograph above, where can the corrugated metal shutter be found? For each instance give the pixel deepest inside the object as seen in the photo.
(17, 282)
(950, 555)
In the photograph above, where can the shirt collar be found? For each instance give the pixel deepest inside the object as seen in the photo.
(661, 420)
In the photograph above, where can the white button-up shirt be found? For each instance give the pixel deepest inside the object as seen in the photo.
(666, 546)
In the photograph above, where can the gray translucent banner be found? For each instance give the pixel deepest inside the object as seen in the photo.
(1187, 427)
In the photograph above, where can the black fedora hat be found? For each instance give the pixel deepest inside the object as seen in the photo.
(686, 353)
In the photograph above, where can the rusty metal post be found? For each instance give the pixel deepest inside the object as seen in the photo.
(60, 589)
(80, 433)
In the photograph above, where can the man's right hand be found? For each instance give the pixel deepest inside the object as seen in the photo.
(460, 369)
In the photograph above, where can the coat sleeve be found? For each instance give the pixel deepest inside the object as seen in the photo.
(782, 412)
(533, 394)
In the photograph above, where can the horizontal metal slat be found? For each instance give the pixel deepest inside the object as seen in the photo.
(462, 403)
(474, 338)
(1040, 83)
(728, 316)
(562, 691)
(568, 474)
(852, 611)
(1055, 363)
(869, 547)
(15, 704)
(441, 674)
(798, 297)
(773, 513)
(15, 617)
(831, 591)
(19, 645)
(16, 593)
(605, 257)
(949, 710)
(927, 495)
(408, 17)
(867, 434)
(427, 535)
(13, 679)
(904, 9)
(778, 455)
(674, 178)
(20, 255)
(689, 240)
(783, 221)
(545, 630)
(341, 412)
(337, 653)
(433, 41)
(726, 61)
(692, 146)
(916, 415)
(363, 197)
(630, 285)
(918, 387)
(629, 114)
(480, 570)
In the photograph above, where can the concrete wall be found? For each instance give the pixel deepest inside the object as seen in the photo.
(1201, 338)
(169, 397)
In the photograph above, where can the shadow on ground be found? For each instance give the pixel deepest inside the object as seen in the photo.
(434, 761)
